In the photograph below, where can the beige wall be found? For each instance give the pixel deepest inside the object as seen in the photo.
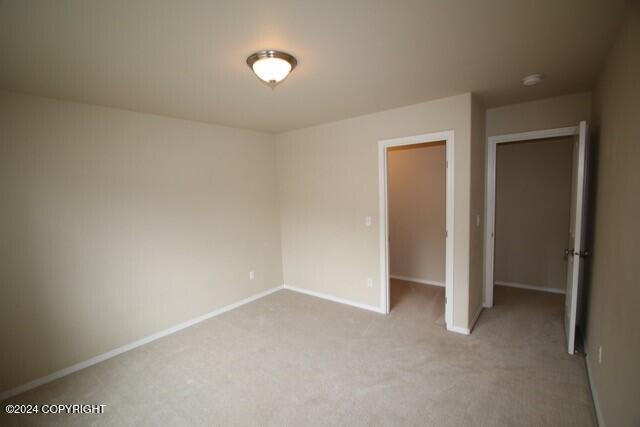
(614, 293)
(416, 191)
(116, 225)
(329, 183)
(547, 113)
(476, 213)
(533, 197)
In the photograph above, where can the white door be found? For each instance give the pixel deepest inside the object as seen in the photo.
(575, 250)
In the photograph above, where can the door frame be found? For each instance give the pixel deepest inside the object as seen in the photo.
(490, 195)
(448, 138)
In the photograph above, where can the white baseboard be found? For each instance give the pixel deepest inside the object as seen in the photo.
(334, 299)
(594, 394)
(467, 331)
(530, 287)
(416, 280)
(100, 358)
(475, 318)
(458, 330)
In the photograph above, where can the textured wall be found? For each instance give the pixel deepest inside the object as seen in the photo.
(533, 198)
(476, 211)
(329, 183)
(547, 113)
(116, 225)
(416, 189)
(613, 296)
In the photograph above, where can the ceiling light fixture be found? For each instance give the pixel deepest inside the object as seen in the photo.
(532, 79)
(271, 66)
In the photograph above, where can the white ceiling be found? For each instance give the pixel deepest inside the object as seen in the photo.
(187, 58)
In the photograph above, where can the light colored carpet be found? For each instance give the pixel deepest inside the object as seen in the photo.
(292, 359)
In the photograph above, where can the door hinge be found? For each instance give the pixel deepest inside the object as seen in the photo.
(571, 252)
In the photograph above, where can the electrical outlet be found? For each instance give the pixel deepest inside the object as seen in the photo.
(477, 220)
(369, 282)
(367, 221)
(252, 275)
(599, 355)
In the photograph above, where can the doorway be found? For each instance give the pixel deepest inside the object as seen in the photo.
(533, 210)
(438, 139)
(573, 189)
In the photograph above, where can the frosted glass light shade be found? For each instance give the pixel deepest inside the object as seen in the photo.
(271, 66)
(272, 70)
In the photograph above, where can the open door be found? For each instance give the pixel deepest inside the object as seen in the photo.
(576, 252)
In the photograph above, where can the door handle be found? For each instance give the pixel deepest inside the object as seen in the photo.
(568, 252)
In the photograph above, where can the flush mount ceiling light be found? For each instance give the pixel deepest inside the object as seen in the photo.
(532, 79)
(271, 66)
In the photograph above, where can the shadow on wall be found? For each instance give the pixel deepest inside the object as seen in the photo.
(41, 244)
(592, 197)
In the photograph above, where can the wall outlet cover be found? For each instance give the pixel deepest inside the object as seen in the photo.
(599, 355)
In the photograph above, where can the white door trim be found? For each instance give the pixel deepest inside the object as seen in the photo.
(579, 230)
(490, 198)
(448, 137)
